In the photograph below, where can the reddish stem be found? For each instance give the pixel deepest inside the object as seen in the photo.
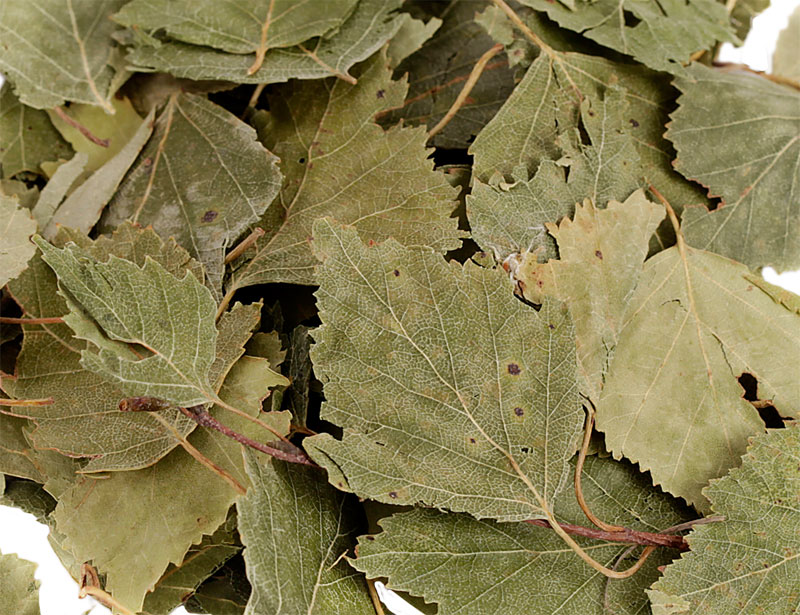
(673, 541)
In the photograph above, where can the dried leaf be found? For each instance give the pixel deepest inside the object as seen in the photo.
(452, 393)
(786, 59)
(16, 229)
(19, 592)
(752, 557)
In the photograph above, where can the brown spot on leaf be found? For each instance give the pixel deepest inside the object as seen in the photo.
(472, 440)
(634, 123)
(396, 273)
(381, 93)
(513, 369)
(148, 161)
(209, 216)
(551, 326)
(519, 411)
(370, 537)
(393, 495)
(598, 254)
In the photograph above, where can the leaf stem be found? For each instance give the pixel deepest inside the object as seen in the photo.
(244, 244)
(649, 539)
(80, 127)
(203, 418)
(187, 446)
(587, 436)
(54, 320)
(90, 586)
(474, 75)
(27, 402)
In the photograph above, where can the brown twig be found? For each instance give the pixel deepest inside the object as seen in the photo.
(54, 320)
(587, 436)
(90, 586)
(203, 418)
(649, 539)
(376, 601)
(474, 75)
(244, 244)
(80, 127)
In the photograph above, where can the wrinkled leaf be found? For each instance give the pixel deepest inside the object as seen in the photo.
(752, 558)
(738, 134)
(59, 50)
(671, 400)
(661, 34)
(205, 200)
(16, 249)
(295, 527)
(172, 504)
(27, 138)
(600, 261)
(338, 162)
(372, 23)
(485, 568)
(451, 393)
(19, 591)
(510, 218)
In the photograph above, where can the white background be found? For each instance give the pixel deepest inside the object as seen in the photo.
(20, 533)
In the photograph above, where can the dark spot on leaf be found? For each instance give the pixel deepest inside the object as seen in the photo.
(631, 20)
(591, 113)
(370, 537)
(209, 216)
(371, 243)
(551, 326)
(472, 440)
(393, 495)
(634, 123)
(381, 93)
(302, 161)
(148, 161)
(340, 485)
(396, 273)
(598, 254)
(525, 449)
(513, 369)
(519, 411)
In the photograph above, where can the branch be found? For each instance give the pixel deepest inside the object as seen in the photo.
(629, 536)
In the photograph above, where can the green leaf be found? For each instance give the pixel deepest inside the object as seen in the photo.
(751, 559)
(671, 400)
(786, 58)
(410, 37)
(27, 136)
(200, 562)
(61, 182)
(116, 130)
(299, 373)
(510, 218)
(661, 34)
(19, 592)
(84, 419)
(205, 200)
(451, 393)
(177, 347)
(369, 27)
(173, 503)
(337, 162)
(16, 229)
(738, 135)
(224, 593)
(243, 28)
(82, 208)
(295, 527)
(475, 567)
(437, 73)
(59, 50)
(601, 253)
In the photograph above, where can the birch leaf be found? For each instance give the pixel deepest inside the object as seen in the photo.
(510, 218)
(205, 200)
(480, 567)
(601, 254)
(338, 162)
(369, 27)
(243, 28)
(671, 400)
(173, 503)
(56, 51)
(171, 319)
(661, 34)
(738, 134)
(19, 592)
(16, 249)
(27, 138)
(786, 58)
(295, 527)
(84, 420)
(452, 394)
(61, 182)
(437, 72)
(752, 558)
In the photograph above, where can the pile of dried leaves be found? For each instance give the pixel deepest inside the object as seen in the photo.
(447, 257)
